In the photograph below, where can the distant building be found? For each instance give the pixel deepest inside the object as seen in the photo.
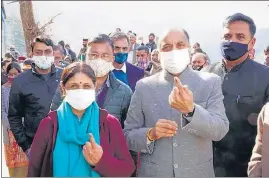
(3, 18)
(14, 35)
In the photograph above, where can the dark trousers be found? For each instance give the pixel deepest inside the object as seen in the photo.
(134, 156)
(231, 164)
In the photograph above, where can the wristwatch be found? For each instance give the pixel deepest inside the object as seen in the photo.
(190, 114)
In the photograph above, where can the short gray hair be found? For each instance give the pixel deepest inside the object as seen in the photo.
(167, 31)
(118, 36)
(241, 17)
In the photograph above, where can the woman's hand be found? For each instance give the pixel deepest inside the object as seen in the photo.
(92, 152)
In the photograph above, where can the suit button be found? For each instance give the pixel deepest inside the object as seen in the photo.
(175, 144)
(175, 165)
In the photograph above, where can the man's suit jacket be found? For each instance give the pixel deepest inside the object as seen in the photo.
(134, 74)
(189, 153)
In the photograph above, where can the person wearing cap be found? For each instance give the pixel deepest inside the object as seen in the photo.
(266, 56)
(151, 44)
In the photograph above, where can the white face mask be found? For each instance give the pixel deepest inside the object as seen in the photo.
(80, 99)
(175, 61)
(100, 66)
(43, 62)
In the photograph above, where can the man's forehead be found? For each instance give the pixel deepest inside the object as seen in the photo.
(237, 27)
(41, 46)
(121, 42)
(104, 47)
(174, 36)
(142, 52)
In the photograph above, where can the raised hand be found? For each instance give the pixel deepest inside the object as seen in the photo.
(92, 152)
(181, 98)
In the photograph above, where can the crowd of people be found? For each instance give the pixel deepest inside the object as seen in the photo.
(122, 108)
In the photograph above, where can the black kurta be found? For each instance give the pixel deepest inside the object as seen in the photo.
(246, 90)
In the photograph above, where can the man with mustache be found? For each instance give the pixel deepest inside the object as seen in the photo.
(245, 88)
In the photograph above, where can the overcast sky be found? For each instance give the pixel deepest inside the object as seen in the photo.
(202, 20)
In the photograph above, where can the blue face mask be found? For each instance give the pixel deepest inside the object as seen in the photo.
(121, 57)
(233, 50)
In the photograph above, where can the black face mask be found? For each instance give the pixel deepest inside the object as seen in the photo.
(198, 68)
(233, 50)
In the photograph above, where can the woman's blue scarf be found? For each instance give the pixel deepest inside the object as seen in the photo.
(68, 159)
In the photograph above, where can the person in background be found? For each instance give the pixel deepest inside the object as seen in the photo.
(14, 52)
(61, 44)
(129, 33)
(155, 60)
(111, 94)
(21, 59)
(16, 159)
(175, 115)
(7, 60)
(244, 95)
(199, 61)
(140, 41)
(60, 61)
(196, 46)
(259, 161)
(98, 149)
(266, 56)
(151, 44)
(252, 54)
(123, 70)
(71, 53)
(83, 50)
(118, 30)
(31, 93)
(27, 64)
(132, 49)
(58, 56)
(143, 58)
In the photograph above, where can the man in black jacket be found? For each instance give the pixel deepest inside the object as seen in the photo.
(31, 93)
(151, 44)
(246, 89)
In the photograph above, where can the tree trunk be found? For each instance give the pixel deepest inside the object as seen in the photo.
(28, 22)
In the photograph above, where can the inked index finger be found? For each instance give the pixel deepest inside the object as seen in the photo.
(178, 84)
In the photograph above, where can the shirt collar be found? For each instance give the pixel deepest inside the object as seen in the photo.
(108, 81)
(123, 68)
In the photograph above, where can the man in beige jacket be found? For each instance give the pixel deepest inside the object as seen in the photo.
(259, 162)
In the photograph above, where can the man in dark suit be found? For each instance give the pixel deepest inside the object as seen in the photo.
(245, 88)
(124, 71)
